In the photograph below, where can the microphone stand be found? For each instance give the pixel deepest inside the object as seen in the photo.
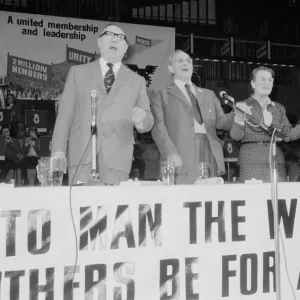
(274, 188)
(274, 191)
(3, 87)
(94, 176)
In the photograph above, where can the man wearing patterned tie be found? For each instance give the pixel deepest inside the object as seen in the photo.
(122, 103)
(185, 121)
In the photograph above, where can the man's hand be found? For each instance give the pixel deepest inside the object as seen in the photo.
(176, 160)
(20, 156)
(138, 116)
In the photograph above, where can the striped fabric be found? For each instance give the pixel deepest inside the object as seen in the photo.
(195, 105)
(109, 78)
(261, 172)
(254, 157)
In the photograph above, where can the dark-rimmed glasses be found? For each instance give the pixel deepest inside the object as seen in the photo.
(119, 37)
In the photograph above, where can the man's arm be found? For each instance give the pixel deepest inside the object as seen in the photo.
(144, 104)
(224, 121)
(159, 131)
(65, 116)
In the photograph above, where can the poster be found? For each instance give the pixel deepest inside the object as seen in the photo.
(36, 51)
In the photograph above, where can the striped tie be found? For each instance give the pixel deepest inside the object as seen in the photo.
(195, 105)
(109, 78)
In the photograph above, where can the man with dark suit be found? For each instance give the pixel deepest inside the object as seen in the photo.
(122, 103)
(185, 121)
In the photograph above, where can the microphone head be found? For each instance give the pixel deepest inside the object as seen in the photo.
(93, 93)
(222, 94)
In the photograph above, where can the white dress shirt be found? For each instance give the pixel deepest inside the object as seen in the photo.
(268, 118)
(181, 84)
(104, 67)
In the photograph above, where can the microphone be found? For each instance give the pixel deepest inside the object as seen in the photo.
(94, 93)
(94, 96)
(226, 97)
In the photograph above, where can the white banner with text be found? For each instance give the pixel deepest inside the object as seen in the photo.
(146, 243)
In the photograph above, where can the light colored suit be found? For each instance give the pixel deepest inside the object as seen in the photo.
(173, 130)
(114, 118)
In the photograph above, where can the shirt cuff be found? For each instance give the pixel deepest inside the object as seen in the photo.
(239, 122)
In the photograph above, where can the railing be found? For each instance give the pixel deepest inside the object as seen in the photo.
(212, 47)
(241, 71)
(234, 59)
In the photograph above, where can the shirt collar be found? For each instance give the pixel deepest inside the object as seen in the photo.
(269, 102)
(181, 84)
(103, 64)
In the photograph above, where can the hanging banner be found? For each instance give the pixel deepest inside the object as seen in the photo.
(28, 69)
(78, 57)
(58, 42)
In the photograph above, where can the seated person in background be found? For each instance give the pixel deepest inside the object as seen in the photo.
(13, 153)
(21, 132)
(50, 131)
(31, 153)
(10, 101)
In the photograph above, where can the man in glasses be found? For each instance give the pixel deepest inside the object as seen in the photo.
(121, 102)
(185, 121)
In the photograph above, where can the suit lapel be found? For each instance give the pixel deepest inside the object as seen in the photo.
(97, 77)
(175, 90)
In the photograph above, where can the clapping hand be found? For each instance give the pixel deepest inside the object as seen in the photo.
(241, 109)
(27, 141)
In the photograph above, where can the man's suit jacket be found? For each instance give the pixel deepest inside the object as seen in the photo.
(114, 118)
(173, 130)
